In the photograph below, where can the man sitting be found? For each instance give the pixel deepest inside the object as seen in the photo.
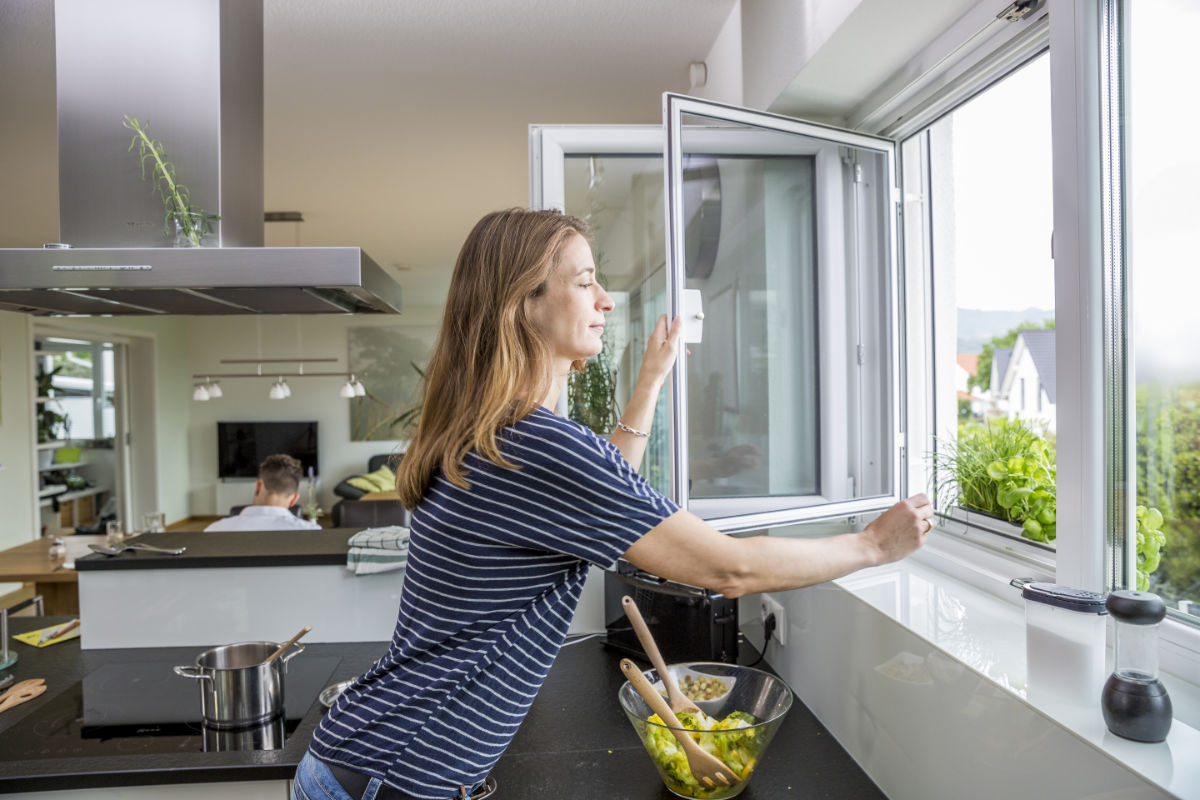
(275, 492)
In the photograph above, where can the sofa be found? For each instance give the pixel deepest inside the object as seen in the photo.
(374, 507)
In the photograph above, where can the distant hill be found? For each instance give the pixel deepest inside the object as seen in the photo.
(975, 326)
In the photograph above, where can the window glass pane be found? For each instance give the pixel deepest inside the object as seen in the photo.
(1162, 208)
(989, 192)
(620, 197)
(790, 392)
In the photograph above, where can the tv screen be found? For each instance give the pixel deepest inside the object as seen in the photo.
(242, 446)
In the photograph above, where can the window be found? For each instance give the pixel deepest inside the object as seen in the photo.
(986, 190)
(1161, 208)
(78, 375)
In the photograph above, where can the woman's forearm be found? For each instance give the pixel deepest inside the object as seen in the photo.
(639, 415)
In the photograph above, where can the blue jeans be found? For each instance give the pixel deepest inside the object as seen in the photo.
(314, 781)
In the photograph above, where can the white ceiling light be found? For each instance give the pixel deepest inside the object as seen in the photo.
(283, 384)
(277, 392)
(347, 389)
(359, 389)
(200, 393)
(214, 388)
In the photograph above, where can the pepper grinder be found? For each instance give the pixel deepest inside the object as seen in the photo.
(1135, 703)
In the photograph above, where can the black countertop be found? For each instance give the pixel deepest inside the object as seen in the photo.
(575, 741)
(230, 549)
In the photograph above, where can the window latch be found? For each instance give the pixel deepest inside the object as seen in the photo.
(1020, 9)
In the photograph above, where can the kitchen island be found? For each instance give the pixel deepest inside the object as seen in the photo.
(574, 743)
(233, 586)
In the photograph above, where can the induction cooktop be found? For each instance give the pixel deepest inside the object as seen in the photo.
(144, 707)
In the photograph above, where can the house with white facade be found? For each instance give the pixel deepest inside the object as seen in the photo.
(966, 367)
(1023, 379)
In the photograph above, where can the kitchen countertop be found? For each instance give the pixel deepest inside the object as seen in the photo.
(229, 549)
(575, 741)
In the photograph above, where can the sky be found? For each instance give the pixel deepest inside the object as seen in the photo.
(1003, 201)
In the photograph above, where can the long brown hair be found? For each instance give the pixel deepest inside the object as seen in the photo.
(490, 367)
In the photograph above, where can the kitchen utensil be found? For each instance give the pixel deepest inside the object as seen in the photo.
(113, 551)
(330, 693)
(21, 692)
(705, 767)
(7, 680)
(679, 701)
(764, 697)
(238, 686)
(288, 644)
(54, 633)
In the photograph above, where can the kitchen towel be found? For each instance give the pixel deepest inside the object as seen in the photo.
(378, 550)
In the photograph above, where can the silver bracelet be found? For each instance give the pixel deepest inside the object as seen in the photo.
(634, 431)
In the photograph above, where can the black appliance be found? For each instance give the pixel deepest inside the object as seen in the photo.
(242, 446)
(120, 709)
(688, 623)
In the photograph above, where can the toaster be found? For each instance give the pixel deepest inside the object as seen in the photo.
(688, 623)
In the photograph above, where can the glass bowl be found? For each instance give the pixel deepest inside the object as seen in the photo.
(745, 689)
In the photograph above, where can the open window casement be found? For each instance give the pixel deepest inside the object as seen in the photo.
(776, 238)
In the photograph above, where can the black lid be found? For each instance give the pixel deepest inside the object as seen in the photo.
(1053, 594)
(1136, 608)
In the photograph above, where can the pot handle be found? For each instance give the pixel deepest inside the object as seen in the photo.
(288, 656)
(192, 672)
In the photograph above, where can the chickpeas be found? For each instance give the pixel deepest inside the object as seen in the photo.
(704, 687)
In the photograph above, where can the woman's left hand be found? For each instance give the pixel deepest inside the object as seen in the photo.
(661, 349)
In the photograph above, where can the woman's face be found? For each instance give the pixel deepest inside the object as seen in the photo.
(570, 313)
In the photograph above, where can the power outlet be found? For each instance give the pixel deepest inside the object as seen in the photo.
(769, 605)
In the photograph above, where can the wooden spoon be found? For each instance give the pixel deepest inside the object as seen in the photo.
(288, 644)
(705, 767)
(679, 701)
(20, 692)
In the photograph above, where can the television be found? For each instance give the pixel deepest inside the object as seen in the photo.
(242, 446)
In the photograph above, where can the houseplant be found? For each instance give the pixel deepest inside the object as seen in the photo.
(49, 422)
(188, 223)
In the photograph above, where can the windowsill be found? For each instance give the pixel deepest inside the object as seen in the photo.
(982, 625)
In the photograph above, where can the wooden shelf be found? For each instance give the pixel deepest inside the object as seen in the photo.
(75, 495)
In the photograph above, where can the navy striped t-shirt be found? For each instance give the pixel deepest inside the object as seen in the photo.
(493, 578)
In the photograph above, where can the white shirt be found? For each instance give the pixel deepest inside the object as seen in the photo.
(264, 518)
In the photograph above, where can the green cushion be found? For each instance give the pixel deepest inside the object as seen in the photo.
(381, 480)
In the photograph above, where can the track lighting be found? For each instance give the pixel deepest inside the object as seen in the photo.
(200, 394)
(277, 392)
(347, 389)
(214, 388)
(359, 389)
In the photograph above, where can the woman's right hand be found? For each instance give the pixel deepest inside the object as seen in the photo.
(901, 529)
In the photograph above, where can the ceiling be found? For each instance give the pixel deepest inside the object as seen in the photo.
(395, 125)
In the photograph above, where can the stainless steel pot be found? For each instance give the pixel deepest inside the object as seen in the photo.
(236, 688)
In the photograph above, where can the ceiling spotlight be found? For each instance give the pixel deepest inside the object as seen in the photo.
(359, 389)
(200, 393)
(214, 388)
(277, 392)
(283, 384)
(347, 389)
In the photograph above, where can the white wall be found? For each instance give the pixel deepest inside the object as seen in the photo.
(210, 339)
(18, 469)
(779, 37)
(724, 62)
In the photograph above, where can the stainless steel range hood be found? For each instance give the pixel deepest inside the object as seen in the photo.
(193, 70)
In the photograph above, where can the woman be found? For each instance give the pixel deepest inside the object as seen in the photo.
(511, 505)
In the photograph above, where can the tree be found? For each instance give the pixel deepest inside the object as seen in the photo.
(983, 377)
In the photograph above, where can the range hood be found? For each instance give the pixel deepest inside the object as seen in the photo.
(192, 70)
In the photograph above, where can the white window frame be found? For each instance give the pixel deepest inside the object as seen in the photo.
(969, 56)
